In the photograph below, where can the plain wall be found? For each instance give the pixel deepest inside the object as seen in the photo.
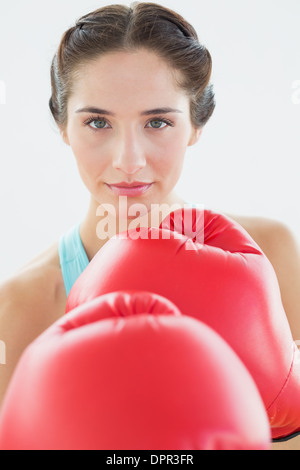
(246, 162)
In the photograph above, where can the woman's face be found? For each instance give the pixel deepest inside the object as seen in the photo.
(139, 134)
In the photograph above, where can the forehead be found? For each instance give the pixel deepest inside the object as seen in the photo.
(117, 79)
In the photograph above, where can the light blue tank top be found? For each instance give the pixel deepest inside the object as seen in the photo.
(72, 256)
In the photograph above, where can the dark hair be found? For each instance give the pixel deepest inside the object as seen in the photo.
(123, 28)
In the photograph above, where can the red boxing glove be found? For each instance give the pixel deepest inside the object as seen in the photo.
(226, 282)
(128, 371)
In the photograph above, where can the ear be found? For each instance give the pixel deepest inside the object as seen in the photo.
(63, 133)
(195, 135)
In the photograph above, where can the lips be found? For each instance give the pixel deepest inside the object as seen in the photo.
(136, 188)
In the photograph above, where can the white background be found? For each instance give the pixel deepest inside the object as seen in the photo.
(246, 162)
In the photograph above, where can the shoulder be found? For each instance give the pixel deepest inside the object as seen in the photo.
(30, 301)
(36, 289)
(275, 238)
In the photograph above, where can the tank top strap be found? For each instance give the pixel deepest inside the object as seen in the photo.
(72, 256)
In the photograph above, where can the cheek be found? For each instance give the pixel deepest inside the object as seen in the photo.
(86, 153)
(170, 156)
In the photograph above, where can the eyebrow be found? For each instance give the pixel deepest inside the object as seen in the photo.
(91, 109)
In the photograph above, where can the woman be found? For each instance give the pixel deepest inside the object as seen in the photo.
(130, 92)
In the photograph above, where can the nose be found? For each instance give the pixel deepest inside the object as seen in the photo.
(129, 156)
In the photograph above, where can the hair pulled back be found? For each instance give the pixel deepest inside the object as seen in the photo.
(122, 28)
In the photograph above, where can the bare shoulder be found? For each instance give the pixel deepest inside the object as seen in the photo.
(30, 301)
(38, 284)
(274, 237)
(281, 246)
